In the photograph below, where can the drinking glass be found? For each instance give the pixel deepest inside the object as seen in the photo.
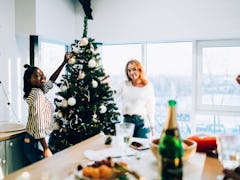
(229, 150)
(124, 132)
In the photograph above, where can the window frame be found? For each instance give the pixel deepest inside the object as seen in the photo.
(199, 106)
(39, 63)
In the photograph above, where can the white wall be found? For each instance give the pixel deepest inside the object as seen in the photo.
(54, 20)
(164, 20)
(25, 17)
(8, 56)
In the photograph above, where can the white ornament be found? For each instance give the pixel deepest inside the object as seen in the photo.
(81, 75)
(92, 48)
(84, 41)
(64, 103)
(94, 116)
(72, 60)
(95, 51)
(75, 49)
(103, 109)
(59, 115)
(95, 120)
(76, 119)
(63, 88)
(71, 101)
(94, 83)
(92, 63)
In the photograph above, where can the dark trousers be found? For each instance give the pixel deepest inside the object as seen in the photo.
(31, 150)
(139, 130)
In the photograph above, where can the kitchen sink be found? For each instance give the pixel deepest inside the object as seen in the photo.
(11, 127)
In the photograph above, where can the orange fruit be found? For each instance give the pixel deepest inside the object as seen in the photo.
(87, 171)
(95, 173)
(105, 171)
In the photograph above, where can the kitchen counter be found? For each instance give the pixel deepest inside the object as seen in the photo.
(11, 151)
(62, 164)
(9, 135)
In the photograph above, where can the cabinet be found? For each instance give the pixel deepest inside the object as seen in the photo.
(2, 159)
(11, 156)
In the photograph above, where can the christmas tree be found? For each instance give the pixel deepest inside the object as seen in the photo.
(84, 105)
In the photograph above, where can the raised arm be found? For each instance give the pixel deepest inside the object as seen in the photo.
(55, 75)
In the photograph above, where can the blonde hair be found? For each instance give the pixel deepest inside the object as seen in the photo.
(139, 68)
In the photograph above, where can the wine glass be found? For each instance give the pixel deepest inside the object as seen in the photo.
(228, 147)
(124, 133)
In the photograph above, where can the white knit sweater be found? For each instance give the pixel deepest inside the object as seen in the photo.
(137, 101)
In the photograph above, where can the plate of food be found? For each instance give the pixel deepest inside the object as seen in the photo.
(106, 169)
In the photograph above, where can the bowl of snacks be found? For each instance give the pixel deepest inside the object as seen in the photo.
(106, 169)
(189, 147)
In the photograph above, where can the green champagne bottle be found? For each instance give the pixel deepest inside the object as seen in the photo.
(170, 147)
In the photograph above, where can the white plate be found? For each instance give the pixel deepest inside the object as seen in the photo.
(78, 175)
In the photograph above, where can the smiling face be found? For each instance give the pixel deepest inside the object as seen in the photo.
(133, 72)
(38, 79)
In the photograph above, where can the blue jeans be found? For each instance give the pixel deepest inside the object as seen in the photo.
(139, 130)
(31, 150)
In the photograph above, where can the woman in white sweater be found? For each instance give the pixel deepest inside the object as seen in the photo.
(137, 100)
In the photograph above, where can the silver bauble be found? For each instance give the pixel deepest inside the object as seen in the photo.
(71, 101)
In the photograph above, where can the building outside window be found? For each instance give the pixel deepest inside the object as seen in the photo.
(200, 75)
(169, 67)
(218, 94)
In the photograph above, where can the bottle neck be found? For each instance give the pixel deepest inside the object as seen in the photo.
(171, 122)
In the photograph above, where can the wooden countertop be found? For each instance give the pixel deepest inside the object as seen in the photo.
(212, 168)
(62, 164)
(9, 135)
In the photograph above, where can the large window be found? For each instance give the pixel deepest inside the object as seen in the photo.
(199, 75)
(218, 94)
(220, 64)
(168, 66)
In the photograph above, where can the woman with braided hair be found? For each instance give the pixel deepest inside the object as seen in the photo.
(40, 110)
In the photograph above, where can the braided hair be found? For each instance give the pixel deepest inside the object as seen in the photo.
(27, 87)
